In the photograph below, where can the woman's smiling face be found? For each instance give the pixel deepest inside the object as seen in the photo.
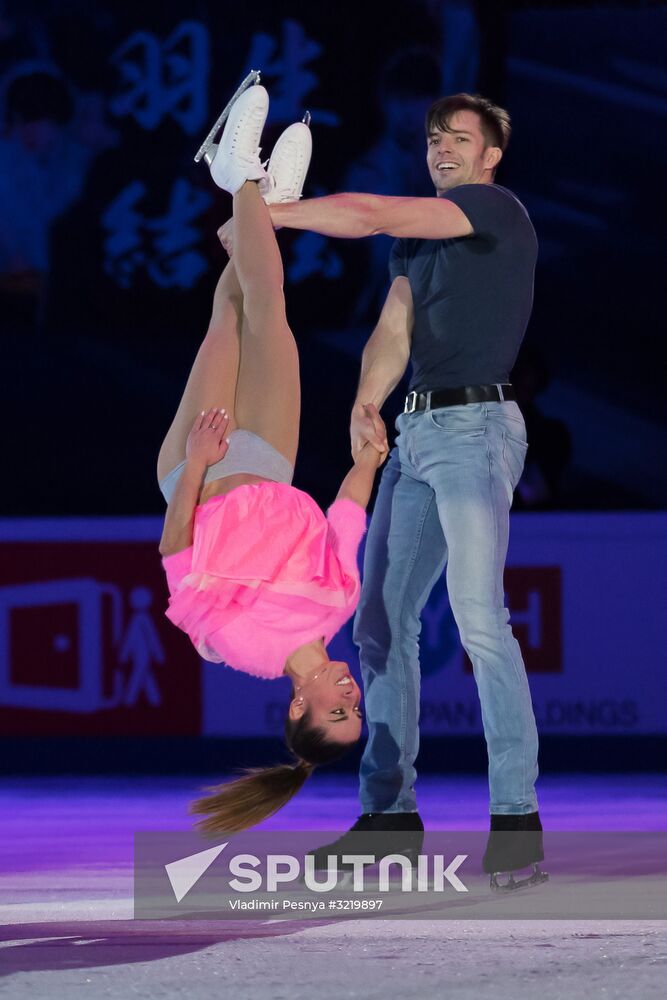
(333, 699)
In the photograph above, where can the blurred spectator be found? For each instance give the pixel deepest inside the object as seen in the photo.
(43, 163)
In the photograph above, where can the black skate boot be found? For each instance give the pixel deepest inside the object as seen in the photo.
(401, 833)
(515, 843)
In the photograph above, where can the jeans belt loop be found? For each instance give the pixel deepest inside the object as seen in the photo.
(428, 400)
(410, 402)
(501, 393)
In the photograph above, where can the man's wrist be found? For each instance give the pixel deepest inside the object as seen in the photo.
(376, 398)
(277, 213)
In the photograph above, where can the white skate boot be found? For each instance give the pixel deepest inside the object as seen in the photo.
(289, 164)
(208, 148)
(236, 159)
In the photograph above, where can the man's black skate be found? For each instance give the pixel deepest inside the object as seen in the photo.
(401, 833)
(515, 842)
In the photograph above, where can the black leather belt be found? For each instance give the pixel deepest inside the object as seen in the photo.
(457, 397)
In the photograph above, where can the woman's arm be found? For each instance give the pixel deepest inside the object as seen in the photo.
(358, 483)
(206, 445)
(180, 516)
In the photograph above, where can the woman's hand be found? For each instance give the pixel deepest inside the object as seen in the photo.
(358, 483)
(367, 428)
(206, 443)
(226, 236)
(370, 456)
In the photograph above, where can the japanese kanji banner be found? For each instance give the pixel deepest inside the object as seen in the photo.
(141, 229)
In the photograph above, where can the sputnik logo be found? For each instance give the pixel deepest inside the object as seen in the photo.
(283, 868)
(186, 872)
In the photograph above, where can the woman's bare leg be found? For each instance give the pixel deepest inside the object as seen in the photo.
(248, 362)
(214, 374)
(268, 393)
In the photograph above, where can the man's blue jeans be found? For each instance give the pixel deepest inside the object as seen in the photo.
(444, 500)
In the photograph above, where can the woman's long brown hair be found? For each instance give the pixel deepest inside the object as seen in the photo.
(262, 791)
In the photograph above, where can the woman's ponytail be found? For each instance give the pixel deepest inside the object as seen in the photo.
(248, 800)
(260, 792)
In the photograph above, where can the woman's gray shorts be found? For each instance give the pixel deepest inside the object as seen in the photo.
(247, 453)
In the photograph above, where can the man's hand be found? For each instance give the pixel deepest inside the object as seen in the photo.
(226, 236)
(206, 443)
(367, 426)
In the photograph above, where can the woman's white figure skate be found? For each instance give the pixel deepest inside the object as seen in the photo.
(289, 163)
(235, 159)
(209, 147)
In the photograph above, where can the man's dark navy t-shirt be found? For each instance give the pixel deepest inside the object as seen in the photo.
(472, 295)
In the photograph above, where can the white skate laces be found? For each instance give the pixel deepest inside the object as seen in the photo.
(288, 165)
(236, 159)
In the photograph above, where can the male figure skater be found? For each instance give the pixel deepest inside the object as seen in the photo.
(461, 294)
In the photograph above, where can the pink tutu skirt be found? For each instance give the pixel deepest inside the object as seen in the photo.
(266, 573)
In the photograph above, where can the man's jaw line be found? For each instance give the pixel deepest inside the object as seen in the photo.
(453, 181)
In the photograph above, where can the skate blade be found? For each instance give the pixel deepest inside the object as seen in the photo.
(208, 149)
(537, 877)
(306, 119)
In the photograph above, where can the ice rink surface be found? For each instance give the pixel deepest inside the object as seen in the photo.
(66, 905)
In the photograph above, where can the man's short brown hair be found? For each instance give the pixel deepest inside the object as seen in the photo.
(494, 121)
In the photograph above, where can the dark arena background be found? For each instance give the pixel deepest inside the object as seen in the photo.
(110, 723)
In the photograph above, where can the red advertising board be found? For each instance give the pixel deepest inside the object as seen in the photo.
(534, 596)
(86, 648)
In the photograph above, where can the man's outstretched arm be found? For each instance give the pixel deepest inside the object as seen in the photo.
(351, 216)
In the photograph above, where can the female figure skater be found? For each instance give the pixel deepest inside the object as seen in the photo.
(258, 577)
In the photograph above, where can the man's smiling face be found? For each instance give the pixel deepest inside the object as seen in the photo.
(460, 155)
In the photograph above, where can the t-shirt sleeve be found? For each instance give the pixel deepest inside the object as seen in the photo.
(397, 260)
(176, 567)
(347, 523)
(490, 212)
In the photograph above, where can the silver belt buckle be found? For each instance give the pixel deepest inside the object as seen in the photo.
(410, 402)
